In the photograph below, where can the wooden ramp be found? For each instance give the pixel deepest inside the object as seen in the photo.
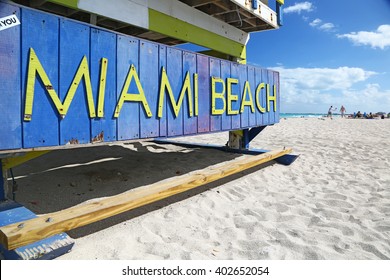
(19, 234)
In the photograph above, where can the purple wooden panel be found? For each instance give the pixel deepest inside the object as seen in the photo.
(242, 78)
(236, 90)
(203, 71)
(190, 122)
(163, 63)
(225, 73)
(215, 71)
(252, 83)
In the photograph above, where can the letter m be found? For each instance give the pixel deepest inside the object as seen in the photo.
(35, 67)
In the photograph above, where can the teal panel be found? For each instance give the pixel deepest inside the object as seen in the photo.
(103, 45)
(10, 96)
(45, 44)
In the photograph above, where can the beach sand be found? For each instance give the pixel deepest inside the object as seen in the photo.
(333, 202)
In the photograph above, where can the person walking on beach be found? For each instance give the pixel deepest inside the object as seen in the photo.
(342, 111)
(330, 112)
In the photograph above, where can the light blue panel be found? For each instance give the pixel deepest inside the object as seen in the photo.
(236, 90)
(103, 45)
(74, 45)
(242, 78)
(149, 77)
(252, 83)
(174, 72)
(43, 129)
(203, 71)
(127, 54)
(163, 63)
(215, 71)
(225, 73)
(190, 123)
(10, 97)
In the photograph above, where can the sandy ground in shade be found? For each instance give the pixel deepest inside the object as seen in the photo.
(333, 202)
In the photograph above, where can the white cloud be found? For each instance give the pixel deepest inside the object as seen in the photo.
(315, 89)
(375, 39)
(299, 7)
(315, 22)
(322, 26)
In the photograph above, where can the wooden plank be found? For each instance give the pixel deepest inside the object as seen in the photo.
(258, 96)
(19, 234)
(127, 55)
(45, 44)
(149, 73)
(10, 105)
(204, 93)
(277, 84)
(74, 45)
(271, 93)
(103, 45)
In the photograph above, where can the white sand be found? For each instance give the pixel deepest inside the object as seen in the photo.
(333, 202)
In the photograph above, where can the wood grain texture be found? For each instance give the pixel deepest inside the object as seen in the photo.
(20, 234)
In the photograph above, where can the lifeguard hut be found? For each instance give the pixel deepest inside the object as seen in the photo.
(77, 73)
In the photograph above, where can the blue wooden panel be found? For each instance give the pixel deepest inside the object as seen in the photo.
(103, 45)
(162, 52)
(10, 98)
(236, 90)
(225, 73)
(174, 72)
(264, 78)
(127, 55)
(258, 114)
(190, 122)
(271, 93)
(252, 83)
(277, 84)
(204, 93)
(242, 78)
(74, 45)
(149, 77)
(215, 71)
(45, 44)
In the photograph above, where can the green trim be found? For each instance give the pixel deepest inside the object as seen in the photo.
(66, 3)
(185, 31)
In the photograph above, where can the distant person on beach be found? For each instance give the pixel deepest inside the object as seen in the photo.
(330, 111)
(358, 115)
(342, 111)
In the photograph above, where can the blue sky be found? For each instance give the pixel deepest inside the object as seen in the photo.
(329, 52)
